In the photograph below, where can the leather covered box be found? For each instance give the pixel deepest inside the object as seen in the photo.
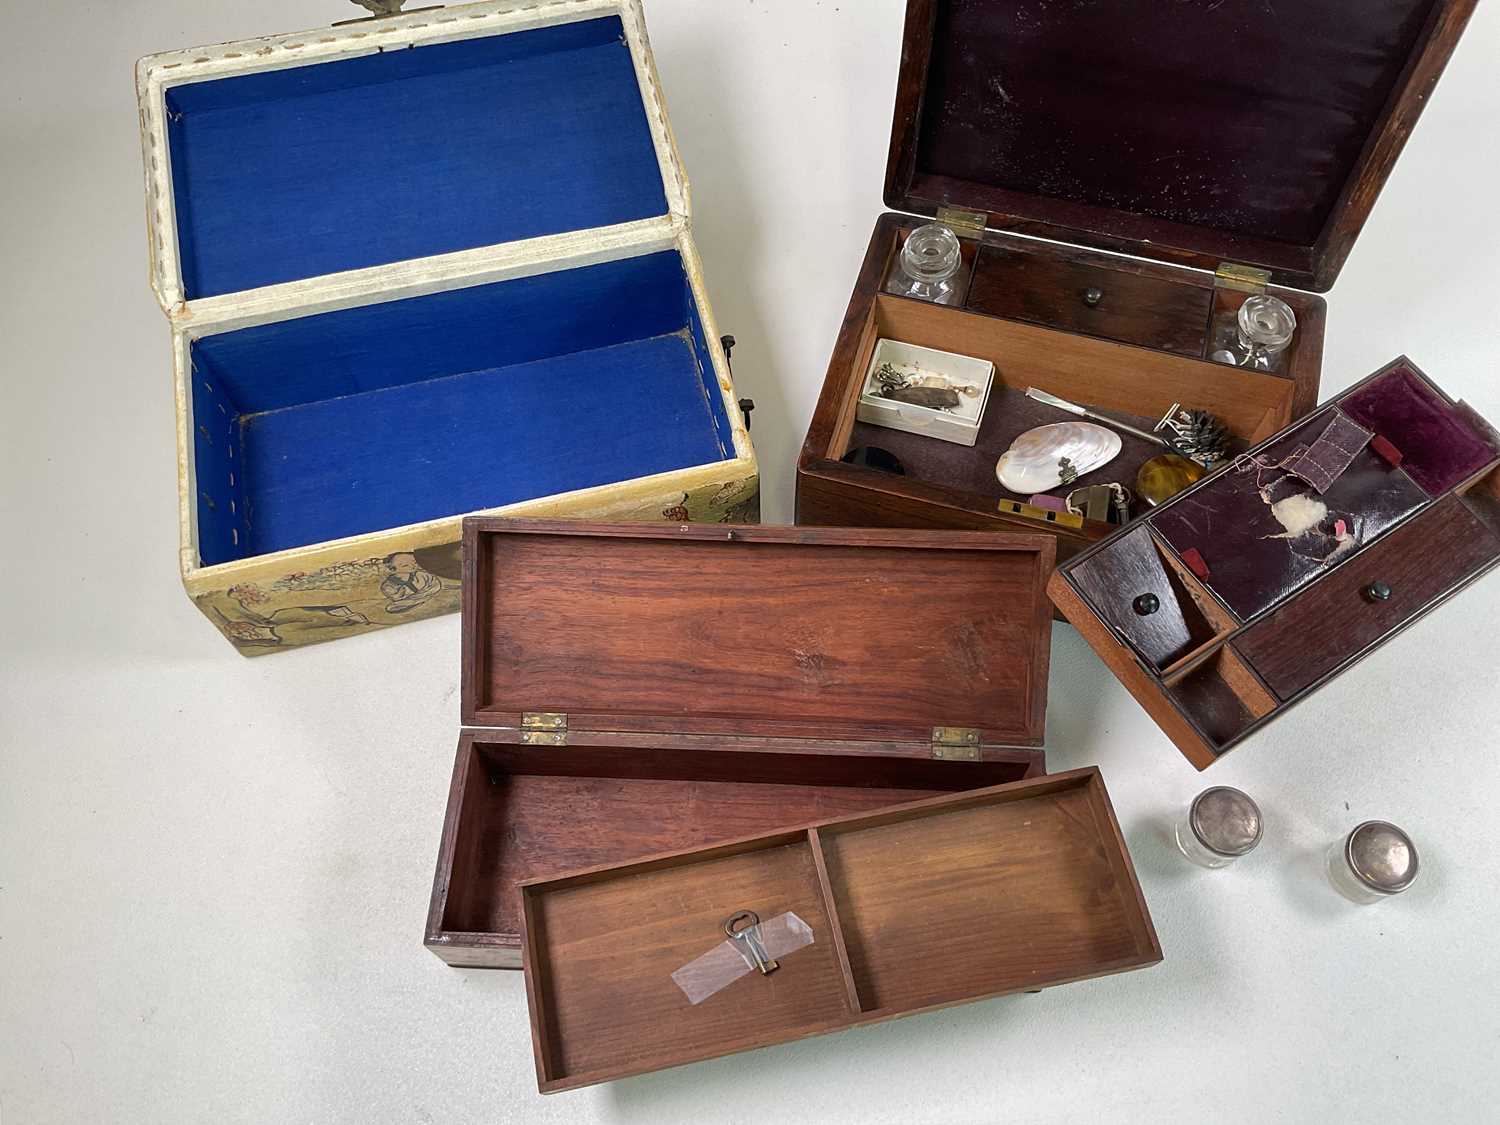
(416, 267)
(1242, 595)
(631, 688)
(1122, 177)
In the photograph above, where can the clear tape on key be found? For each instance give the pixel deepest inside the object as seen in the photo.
(752, 945)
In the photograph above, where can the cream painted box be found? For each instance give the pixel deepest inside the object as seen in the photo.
(418, 267)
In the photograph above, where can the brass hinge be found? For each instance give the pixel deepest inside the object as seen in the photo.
(1245, 279)
(955, 744)
(970, 223)
(544, 728)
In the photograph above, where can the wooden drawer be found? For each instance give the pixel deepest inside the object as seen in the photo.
(1337, 619)
(1059, 291)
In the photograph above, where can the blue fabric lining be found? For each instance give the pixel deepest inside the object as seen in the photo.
(273, 366)
(375, 417)
(296, 173)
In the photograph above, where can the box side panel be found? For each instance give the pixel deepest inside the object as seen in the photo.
(377, 581)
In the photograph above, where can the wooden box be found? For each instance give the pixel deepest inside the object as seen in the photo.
(629, 689)
(1258, 588)
(416, 267)
(1223, 150)
(945, 901)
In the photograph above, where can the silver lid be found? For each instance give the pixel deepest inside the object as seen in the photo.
(1382, 857)
(1225, 821)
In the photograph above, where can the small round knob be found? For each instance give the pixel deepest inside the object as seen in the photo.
(1146, 604)
(1092, 297)
(1378, 592)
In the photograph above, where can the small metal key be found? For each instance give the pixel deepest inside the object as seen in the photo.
(747, 939)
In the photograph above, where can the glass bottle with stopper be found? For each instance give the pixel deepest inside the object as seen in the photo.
(929, 267)
(1264, 328)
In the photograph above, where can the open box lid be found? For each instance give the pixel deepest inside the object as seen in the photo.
(452, 131)
(930, 643)
(1233, 133)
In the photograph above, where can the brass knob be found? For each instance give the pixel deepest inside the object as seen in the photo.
(1092, 297)
(1378, 592)
(1146, 604)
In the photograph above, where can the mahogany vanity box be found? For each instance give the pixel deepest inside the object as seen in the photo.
(629, 689)
(1122, 176)
(419, 266)
(1243, 594)
(949, 900)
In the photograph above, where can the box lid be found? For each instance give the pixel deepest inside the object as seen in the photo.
(440, 132)
(1199, 134)
(931, 642)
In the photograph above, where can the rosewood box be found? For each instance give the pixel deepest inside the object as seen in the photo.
(630, 689)
(1251, 589)
(949, 900)
(1122, 176)
(415, 267)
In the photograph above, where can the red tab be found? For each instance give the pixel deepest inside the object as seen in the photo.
(1195, 562)
(1385, 450)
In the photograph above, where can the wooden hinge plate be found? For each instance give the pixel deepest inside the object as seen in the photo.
(544, 728)
(1244, 279)
(955, 744)
(969, 223)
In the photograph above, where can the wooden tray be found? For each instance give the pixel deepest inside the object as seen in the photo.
(1252, 621)
(924, 906)
(628, 688)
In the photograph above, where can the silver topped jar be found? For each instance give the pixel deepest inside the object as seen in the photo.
(1220, 825)
(1372, 863)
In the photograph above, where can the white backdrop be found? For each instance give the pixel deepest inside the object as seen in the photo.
(214, 873)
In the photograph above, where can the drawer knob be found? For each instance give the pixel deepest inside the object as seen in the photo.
(1378, 592)
(1092, 297)
(1146, 604)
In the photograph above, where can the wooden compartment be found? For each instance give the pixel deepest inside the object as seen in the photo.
(941, 902)
(1413, 519)
(634, 688)
(1069, 292)
(957, 486)
(520, 812)
(1119, 197)
(1185, 617)
(1420, 563)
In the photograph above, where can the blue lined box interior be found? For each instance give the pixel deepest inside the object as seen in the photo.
(363, 419)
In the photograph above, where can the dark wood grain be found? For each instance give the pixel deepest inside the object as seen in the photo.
(1046, 287)
(1214, 696)
(1133, 567)
(1333, 620)
(793, 632)
(1030, 114)
(1221, 695)
(521, 812)
(941, 902)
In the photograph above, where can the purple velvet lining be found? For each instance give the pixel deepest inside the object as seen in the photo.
(1438, 448)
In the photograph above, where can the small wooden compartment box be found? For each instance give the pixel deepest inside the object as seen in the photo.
(415, 267)
(1226, 151)
(630, 689)
(954, 899)
(1251, 589)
